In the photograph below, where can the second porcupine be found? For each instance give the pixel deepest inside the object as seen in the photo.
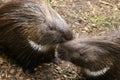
(98, 57)
(30, 31)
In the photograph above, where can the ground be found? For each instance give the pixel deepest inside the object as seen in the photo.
(93, 17)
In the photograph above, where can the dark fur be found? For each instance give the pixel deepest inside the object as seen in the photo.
(23, 20)
(94, 54)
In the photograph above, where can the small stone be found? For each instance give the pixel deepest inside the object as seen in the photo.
(9, 76)
(58, 68)
(12, 71)
(3, 75)
(64, 76)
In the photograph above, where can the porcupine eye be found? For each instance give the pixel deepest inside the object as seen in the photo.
(51, 28)
(82, 54)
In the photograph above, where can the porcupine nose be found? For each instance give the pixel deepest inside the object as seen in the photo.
(67, 36)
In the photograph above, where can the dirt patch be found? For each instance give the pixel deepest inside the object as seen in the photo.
(92, 17)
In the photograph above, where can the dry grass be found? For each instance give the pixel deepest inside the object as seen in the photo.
(89, 16)
(84, 17)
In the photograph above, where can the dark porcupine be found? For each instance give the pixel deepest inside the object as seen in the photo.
(99, 57)
(30, 31)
